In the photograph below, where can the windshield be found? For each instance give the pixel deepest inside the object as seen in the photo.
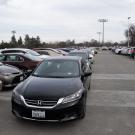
(57, 69)
(82, 55)
(33, 57)
(33, 53)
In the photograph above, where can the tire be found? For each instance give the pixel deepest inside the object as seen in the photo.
(1, 85)
(83, 109)
(119, 52)
(89, 84)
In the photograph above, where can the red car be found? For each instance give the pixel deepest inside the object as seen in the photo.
(22, 61)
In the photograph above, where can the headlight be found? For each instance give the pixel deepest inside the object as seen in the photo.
(16, 97)
(6, 75)
(72, 97)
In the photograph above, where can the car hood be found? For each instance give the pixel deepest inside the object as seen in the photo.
(50, 88)
(9, 69)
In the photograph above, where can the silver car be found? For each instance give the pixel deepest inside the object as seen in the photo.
(10, 75)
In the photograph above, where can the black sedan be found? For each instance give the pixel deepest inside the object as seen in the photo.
(54, 92)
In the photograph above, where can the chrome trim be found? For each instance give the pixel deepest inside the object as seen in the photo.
(39, 120)
(61, 120)
(41, 107)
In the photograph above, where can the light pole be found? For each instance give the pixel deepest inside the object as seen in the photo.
(128, 32)
(103, 21)
(99, 34)
(13, 32)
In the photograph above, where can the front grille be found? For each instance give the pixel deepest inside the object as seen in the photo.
(16, 73)
(41, 103)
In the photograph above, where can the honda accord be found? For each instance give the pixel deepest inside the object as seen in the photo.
(55, 91)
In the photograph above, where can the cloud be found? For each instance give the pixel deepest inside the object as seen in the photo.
(3, 2)
(62, 19)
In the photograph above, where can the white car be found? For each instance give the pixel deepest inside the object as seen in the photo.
(91, 57)
(124, 51)
(118, 50)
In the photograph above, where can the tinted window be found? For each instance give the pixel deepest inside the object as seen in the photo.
(11, 58)
(2, 57)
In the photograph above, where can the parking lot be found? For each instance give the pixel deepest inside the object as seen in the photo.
(110, 104)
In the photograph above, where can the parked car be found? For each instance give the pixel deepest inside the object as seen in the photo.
(91, 54)
(62, 52)
(118, 50)
(23, 50)
(132, 53)
(124, 51)
(48, 51)
(84, 55)
(67, 49)
(22, 61)
(37, 99)
(104, 48)
(10, 76)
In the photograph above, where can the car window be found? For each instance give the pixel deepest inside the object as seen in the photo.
(2, 57)
(11, 58)
(43, 52)
(20, 58)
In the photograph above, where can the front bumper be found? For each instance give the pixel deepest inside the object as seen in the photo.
(12, 81)
(61, 113)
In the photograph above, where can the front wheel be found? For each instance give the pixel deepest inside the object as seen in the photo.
(1, 85)
(83, 109)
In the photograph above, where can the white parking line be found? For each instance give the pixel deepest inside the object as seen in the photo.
(114, 76)
(109, 98)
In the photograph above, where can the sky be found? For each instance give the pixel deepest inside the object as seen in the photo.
(60, 20)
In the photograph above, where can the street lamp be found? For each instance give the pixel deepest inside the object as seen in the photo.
(13, 32)
(99, 34)
(128, 31)
(103, 21)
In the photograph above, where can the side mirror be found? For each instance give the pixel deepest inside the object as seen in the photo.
(87, 73)
(90, 56)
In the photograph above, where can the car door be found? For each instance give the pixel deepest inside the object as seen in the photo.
(11, 60)
(15, 60)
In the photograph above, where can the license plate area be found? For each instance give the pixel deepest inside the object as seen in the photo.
(38, 114)
(21, 78)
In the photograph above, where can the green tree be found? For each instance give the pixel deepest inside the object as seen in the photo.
(26, 40)
(20, 41)
(13, 41)
(131, 34)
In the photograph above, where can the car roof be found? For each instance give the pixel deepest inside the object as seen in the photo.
(13, 54)
(75, 58)
(24, 49)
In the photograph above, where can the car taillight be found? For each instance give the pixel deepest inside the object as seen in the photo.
(133, 51)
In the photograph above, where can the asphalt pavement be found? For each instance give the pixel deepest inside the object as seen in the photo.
(110, 104)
